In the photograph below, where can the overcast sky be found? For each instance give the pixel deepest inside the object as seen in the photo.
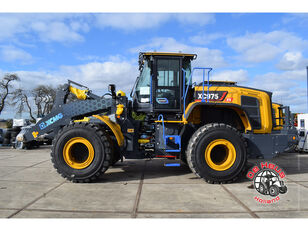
(263, 50)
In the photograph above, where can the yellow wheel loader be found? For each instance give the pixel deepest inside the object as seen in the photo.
(213, 126)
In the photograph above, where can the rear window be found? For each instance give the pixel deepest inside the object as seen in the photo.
(302, 123)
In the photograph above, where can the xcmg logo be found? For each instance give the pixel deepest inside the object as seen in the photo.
(52, 120)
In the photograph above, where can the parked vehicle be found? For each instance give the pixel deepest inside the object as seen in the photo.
(1, 136)
(41, 140)
(302, 128)
(213, 126)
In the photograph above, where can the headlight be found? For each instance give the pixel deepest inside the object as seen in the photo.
(20, 138)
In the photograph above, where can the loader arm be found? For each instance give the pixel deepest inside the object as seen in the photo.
(67, 112)
(63, 113)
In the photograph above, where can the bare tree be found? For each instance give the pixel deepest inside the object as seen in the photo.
(44, 97)
(6, 88)
(21, 99)
(39, 101)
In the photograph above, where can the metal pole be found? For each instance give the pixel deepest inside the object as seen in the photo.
(202, 100)
(307, 88)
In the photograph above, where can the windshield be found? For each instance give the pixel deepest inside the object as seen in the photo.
(143, 86)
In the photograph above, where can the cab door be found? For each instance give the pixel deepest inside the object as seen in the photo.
(167, 84)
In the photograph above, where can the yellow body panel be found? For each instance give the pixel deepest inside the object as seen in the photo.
(80, 94)
(234, 97)
(115, 128)
(278, 114)
(120, 109)
(244, 118)
(195, 116)
(143, 141)
(121, 93)
(85, 119)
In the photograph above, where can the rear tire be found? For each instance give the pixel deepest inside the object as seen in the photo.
(217, 153)
(89, 158)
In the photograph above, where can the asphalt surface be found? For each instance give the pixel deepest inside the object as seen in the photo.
(31, 188)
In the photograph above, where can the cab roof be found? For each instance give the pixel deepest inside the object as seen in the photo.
(194, 56)
(148, 55)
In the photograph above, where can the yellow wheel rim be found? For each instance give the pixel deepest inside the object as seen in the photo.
(78, 153)
(220, 154)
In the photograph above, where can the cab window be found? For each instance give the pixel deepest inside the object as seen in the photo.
(143, 86)
(168, 91)
(168, 73)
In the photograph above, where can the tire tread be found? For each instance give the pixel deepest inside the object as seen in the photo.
(194, 141)
(106, 161)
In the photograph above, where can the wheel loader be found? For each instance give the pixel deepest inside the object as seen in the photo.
(212, 126)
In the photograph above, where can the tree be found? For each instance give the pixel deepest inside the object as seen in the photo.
(6, 88)
(39, 101)
(22, 99)
(44, 98)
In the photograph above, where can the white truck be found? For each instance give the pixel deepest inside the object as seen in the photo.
(302, 127)
(23, 126)
(20, 122)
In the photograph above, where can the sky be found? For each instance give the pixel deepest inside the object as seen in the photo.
(262, 50)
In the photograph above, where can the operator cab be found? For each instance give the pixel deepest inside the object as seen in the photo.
(159, 88)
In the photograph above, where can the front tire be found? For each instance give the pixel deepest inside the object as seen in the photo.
(81, 152)
(115, 152)
(217, 153)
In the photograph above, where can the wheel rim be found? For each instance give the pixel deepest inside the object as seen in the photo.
(78, 153)
(273, 191)
(220, 155)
